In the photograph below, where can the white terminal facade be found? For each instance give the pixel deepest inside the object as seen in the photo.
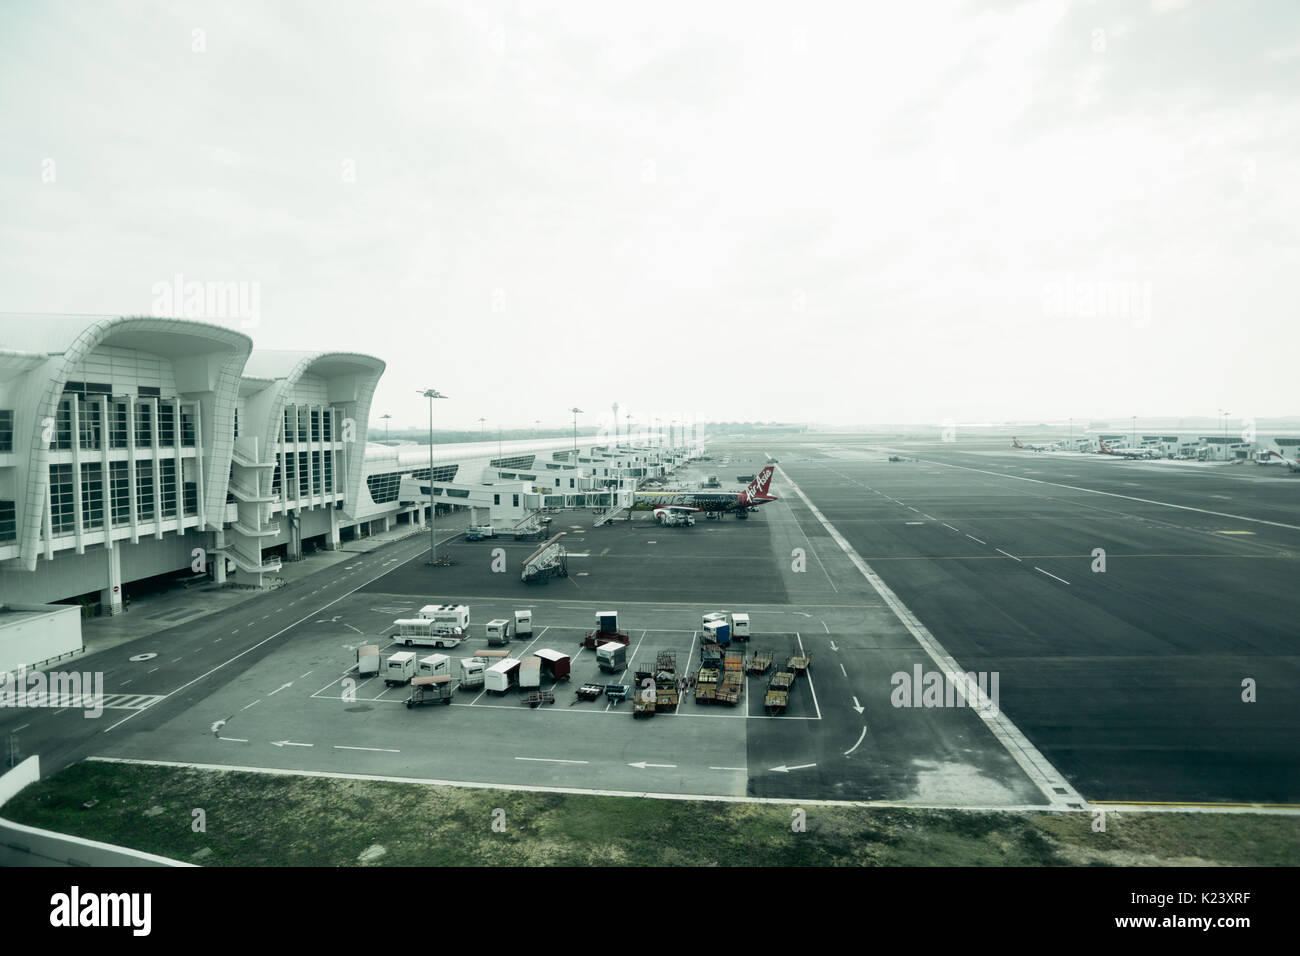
(132, 447)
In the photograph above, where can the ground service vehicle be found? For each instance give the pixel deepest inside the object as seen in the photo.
(502, 676)
(431, 690)
(420, 631)
(451, 615)
(498, 632)
(548, 561)
(435, 665)
(368, 660)
(740, 627)
(530, 673)
(611, 657)
(471, 673)
(524, 623)
(399, 668)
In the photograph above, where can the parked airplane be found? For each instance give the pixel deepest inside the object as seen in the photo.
(1291, 463)
(1016, 443)
(663, 503)
(1128, 452)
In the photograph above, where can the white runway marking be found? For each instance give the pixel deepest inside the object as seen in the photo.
(1051, 575)
(973, 538)
(861, 738)
(1011, 556)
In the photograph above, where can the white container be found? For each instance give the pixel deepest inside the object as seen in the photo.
(501, 676)
(498, 632)
(740, 625)
(452, 615)
(524, 623)
(399, 668)
(435, 665)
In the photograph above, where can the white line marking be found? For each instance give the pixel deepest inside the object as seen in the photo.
(843, 671)
(1011, 556)
(973, 538)
(1112, 494)
(1051, 575)
(234, 740)
(382, 750)
(549, 760)
(861, 738)
(1047, 778)
(947, 525)
(246, 706)
(742, 769)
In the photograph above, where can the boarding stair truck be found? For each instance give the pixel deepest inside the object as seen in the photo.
(548, 561)
(611, 657)
(449, 615)
(368, 660)
(502, 676)
(431, 690)
(399, 668)
(523, 624)
(435, 665)
(471, 672)
(423, 632)
(498, 632)
(530, 673)
(555, 665)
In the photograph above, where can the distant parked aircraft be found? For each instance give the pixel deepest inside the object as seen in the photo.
(1017, 443)
(663, 503)
(1128, 452)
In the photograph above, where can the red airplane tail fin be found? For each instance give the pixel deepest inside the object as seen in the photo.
(758, 487)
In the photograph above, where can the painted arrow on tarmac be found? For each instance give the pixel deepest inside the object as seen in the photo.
(834, 648)
(784, 769)
(642, 765)
(290, 684)
(858, 707)
(288, 743)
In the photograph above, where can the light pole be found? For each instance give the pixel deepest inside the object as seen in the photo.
(431, 394)
(482, 432)
(1135, 432)
(576, 412)
(1225, 413)
(386, 418)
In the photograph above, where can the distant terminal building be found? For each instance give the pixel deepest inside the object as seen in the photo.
(134, 447)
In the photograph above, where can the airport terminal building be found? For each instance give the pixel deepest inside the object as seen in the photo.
(133, 447)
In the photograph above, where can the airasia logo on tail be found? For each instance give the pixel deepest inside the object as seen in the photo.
(757, 490)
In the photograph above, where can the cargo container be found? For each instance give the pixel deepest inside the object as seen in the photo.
(554, 664)
(607, 622)
(498, 632)
(471, 672)
(530, 672)
(502, 676)
(435, 665)
(740, 627)
(368, 660)
(717, 632)
(399, 668)
(611, 657)
(421, 631)
(453, 615)
(523, 623)
(713, 616)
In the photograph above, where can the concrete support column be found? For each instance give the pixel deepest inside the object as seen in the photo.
(110, 598)
(219, 567)
(388, 522)
(332, 539)
(294, 524)
(419, 516)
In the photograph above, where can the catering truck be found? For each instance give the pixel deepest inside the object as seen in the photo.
(502, 676)
(449, 615)
(400, 668)
(422, 631)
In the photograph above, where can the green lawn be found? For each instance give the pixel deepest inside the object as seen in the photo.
(274, 820)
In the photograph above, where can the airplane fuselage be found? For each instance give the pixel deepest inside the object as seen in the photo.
(701, 500)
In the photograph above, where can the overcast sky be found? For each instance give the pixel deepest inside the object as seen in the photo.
(840, 213)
